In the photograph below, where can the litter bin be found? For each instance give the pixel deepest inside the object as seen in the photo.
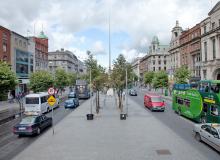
(123, 116)
(166, 92)
(89, 116)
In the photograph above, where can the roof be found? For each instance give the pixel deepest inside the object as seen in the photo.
(42, 35)
(37, 94)
(153, 95)
(215, 8)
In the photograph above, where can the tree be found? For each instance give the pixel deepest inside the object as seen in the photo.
(71, 79)
(160, 80)
(118, 76)
(148, 78)
(40, 81)
(98, 77)
(8, 80)
(61, 79)
(181, 75)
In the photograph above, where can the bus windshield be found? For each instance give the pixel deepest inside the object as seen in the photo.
(32, 100)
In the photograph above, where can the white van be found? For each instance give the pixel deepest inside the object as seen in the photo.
(36, 103)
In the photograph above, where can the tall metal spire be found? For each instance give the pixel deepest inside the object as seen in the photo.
(109, 22)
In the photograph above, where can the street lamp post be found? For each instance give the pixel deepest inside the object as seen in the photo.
(126, 91)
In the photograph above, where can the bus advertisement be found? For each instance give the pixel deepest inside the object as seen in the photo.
(200, 104)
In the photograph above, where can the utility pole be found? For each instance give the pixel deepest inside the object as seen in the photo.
(109, 23)
(90, 78)
(127, 90)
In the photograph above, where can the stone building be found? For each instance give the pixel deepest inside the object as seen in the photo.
(190, 51)
(210, 44)
(136, 67)
(63, 59)
(5, 41)
(174, 51)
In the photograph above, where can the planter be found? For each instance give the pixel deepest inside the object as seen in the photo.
(123, 116)
(89, 116)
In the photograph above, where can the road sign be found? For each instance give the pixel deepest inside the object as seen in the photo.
(51, 100)
(51, 91)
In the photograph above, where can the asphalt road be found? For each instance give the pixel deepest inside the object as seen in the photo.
(180, 125)
(11, 145)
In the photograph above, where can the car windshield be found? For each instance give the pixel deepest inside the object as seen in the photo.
(156, 99)
(28, 120)
(69, 101)
(32, 100)
(73, 95)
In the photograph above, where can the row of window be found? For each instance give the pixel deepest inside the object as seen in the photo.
(159, 62)
(213, 26)
(159, 68)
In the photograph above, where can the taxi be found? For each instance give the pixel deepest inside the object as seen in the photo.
(208, 133)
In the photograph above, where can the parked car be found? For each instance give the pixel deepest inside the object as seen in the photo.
(132, 92)
(154, 102)
(208, 133)
(74, 96)
(31, 125)
(70, 103)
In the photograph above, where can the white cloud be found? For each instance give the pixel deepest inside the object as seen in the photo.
(98, 48)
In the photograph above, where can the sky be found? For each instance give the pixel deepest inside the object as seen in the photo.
(81, 25)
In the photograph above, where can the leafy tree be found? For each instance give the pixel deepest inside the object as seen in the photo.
(8, 80)
(98, 76)
(148, 78)
(118, 76)
(181, 75)
(40, 81)
(71, 79)
(61, 79)
(160, 80)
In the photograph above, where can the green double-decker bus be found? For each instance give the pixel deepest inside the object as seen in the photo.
(199, 102)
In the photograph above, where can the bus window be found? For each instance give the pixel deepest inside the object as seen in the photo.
(187, 102)
(204, 87)
(205, 107)
(32, 100)
(215, 88)
(214, 110)
(179, 100)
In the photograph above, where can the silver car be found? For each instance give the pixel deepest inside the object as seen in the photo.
(208, 133)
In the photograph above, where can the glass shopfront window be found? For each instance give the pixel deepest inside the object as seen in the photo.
(21, 56)
(21, 68)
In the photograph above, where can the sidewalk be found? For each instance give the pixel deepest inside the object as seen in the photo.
(140, 137)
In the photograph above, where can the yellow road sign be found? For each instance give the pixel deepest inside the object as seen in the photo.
(51, 100)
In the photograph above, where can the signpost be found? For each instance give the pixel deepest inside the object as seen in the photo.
(51, 101)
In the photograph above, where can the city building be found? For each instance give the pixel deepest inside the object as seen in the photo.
(190, 51)
(41, 51)
(82, 69)
(21, 60)
(210, 44)
(5, 41)
(136, 67)
(63, 59)
(174, 51)
(143, 66)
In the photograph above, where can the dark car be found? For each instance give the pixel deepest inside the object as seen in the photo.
(74, 96)
(132, 92)
(70, 103)
(31, 125)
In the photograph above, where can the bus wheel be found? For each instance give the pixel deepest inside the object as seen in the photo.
(202, 120)
(198, 137)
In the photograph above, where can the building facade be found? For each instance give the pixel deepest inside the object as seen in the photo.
(22, 60)
(210, 44)
(174, 50)
(63, 59)
(136, 67)
(41, 51)
(82, 69)
(5, 45)
(190, 51)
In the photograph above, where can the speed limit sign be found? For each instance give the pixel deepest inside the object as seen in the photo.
(51, 91)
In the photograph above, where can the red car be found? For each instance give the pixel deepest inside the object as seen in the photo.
(154, 102)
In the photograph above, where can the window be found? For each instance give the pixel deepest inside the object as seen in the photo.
(159, 68)
(4, 47)
(187, 102)
(205, 29)
(213, 25)
(20, 43)
(158, 56)
(153, 62)
(214, 132)
(32, 100)
(21, 68)
(165, 68)
(219, 22)
(179, 100)
(159, 62)
(204, 74)
(43, 99)
(153, 68)
(205, 50)
(213, 48)
(165, 62)
(214, 110)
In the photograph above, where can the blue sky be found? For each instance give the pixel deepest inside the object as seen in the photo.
(82, 25)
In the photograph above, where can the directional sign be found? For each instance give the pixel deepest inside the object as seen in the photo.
(51, 100)
(51, 91)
